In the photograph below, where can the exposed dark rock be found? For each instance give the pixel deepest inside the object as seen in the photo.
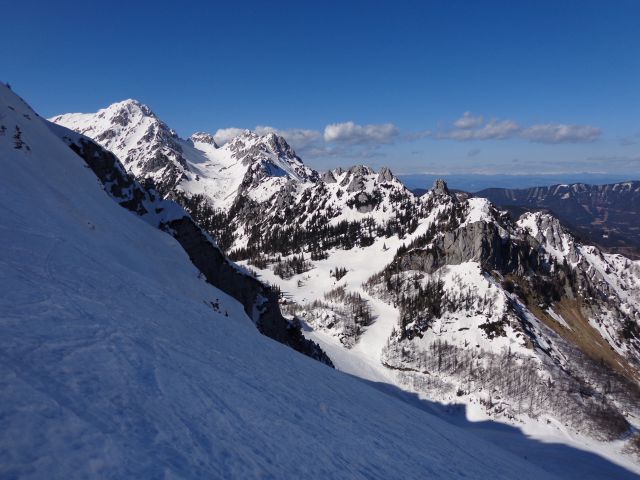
(259, 301)
(203, 137)
(440, 187)
(328, 177)
(385, 175)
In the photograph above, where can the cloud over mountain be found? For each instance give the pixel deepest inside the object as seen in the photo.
(349, 132)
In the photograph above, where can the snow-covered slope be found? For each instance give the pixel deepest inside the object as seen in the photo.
(472, 308)
(441, 295)
(149, 149)
(118, 360)
(239, 190)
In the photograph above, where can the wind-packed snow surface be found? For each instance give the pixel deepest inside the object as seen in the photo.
(118, 361)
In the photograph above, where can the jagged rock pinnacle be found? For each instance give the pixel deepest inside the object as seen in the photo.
(440, 187)
(328, 177)
(385, 175)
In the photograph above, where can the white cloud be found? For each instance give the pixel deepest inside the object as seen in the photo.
(470, 127)
(494, 129)
(561, 133)
(224, 135)
(468, 121)
(349, 132)
(296, 137)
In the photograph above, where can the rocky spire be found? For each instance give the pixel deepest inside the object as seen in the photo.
(385, 175)
(440, 187)
(203, 137)
(328, 177)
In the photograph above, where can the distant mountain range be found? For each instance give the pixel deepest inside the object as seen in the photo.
(606, 215)
(474, 182)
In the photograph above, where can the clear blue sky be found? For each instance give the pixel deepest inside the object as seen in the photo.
(549, 85)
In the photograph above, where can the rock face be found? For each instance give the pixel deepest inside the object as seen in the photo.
(203, 137)
(477, 242)
(260, 302)
(440, 188)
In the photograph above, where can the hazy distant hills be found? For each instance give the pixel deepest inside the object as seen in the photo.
(608, 215)
(474, 182)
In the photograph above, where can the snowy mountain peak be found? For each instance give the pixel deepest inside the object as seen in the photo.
(270, 156)
(547, 230)
(130, 106)
(146, 146)
(203, 138)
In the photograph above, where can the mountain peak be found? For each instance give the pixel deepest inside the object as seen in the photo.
(440, 187)
(385, 175)
(361, 170)
(125, 108)
(203, 137)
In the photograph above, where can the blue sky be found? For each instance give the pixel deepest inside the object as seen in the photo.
(444, 87)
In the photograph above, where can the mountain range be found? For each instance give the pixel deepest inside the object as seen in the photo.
(444, 297)
(607, 215)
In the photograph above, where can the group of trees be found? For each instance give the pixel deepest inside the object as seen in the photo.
(338, 273)
(421, 308)
(297, 227)
(359, 308)
(215, 221)
(513, 385)
(292, 266)
(344, 314)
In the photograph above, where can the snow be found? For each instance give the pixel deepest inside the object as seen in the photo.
(479, 210)
(215, 172)
(364, 359)
(558, 318)
(548, 231)
(218, 172)
(114, 364)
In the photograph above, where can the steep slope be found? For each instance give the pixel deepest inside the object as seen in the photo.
(442, 295)
(119, 360)
(603, 214)
(260, 302)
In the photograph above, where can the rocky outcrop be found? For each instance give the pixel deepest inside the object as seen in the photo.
(203, 137)
(355, 178)
(260, 302)
(385, 175)
(476, 242)
(328, 177)
(440, 188)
